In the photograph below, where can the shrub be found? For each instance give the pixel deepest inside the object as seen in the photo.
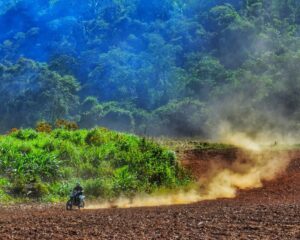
(95, 188)
(68, 153)
(25, 134)
(125, 181)
(43, 127)
(105, 169)
(86, 171)
(95, 137)
(77, 138)
(37, 190)
(67, 172)
(4, 197)
(17, 187)
(65, 124)
(13, 130)
(48, 146)
(62, 189)
(61, 134)
(25, 149)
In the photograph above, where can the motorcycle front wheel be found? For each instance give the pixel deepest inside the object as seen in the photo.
(81, 205)
(69, 205)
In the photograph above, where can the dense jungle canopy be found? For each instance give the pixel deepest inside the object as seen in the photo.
(159, 67)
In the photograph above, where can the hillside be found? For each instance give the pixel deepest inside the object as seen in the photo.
(171, 67)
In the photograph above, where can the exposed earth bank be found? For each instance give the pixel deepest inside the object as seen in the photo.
(271, 212)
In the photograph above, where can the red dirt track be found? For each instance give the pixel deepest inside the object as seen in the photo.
(272, 212)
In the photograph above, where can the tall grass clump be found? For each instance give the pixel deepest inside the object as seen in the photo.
(38, 164)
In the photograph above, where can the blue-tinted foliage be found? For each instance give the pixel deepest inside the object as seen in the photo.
(137, 56)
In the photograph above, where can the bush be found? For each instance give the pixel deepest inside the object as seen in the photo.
(17, 187)
(68, 153)
(65, 124)
(62, 189)
(13, 130)
(26, 134)
(43, 127)
(86, 171)
(37, 190)
(95, 137)
(125, 181)
(95, 188)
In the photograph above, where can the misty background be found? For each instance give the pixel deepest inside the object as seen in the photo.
(159, 67)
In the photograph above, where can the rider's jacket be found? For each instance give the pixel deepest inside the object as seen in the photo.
(78, 189)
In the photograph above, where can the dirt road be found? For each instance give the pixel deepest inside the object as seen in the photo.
(272, 212)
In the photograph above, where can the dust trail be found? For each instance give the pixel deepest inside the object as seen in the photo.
(181, 197)
(257, 161)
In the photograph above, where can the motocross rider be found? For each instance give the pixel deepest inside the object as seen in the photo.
(77, 191)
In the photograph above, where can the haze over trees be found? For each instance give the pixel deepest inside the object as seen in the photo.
(168, 67)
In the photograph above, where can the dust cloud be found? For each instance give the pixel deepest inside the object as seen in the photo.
(258, 159)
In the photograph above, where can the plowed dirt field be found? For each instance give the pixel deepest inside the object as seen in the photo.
(271, 212)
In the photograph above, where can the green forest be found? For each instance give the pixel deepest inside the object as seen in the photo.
(171, 67)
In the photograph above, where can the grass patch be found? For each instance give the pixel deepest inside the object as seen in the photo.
(45, 165)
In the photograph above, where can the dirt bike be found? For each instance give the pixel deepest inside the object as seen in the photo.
(77, 200)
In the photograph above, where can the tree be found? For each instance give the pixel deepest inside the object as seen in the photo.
(179, 118)
(31, 92)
